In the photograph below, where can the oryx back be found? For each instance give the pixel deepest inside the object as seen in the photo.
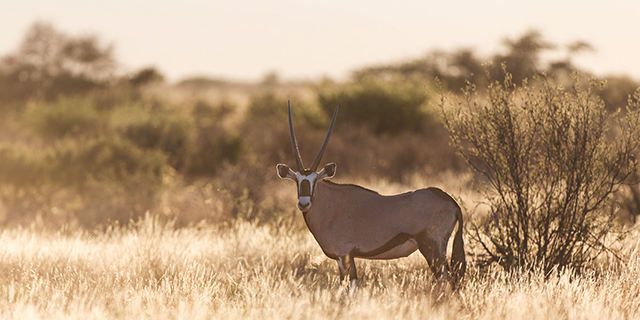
(351, 219)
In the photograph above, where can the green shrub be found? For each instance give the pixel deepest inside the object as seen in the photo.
(91, 182)
(169, 133)
(549, 166)
(74, 115)
(269, 107)
(204, 110)
(115, 180)
(24, 177)
(385, 107)
(106, 159)
(21, 167)
(212, 148)
(266, 105)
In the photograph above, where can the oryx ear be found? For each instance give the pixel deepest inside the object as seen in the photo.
(284, 172)
(328, 171)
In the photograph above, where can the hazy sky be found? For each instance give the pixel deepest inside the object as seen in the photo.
(244, 39)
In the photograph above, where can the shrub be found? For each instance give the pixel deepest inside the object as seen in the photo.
(266, 133)
(114, 179)
(66, 116)
(549, 166)
(213, 144)
(106, 159)
(385, 107)
(169, 133)
(203, 110)
(116, 159)
(23, 177)
(20, 167)
(269, 108)
(267, 105)
(213, 147)
(90, 182)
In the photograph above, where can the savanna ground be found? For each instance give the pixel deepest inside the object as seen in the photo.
(129, 198)
(153, 271)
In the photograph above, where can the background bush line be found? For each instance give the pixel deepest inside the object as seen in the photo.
(120, 146)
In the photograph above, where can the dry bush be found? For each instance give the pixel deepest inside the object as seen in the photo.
(549, 168)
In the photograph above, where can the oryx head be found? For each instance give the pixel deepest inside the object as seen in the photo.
(306, 179)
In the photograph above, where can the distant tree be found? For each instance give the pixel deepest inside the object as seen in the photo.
(434, 64)
(49, 63)
(271, 78)
(523, 56)
(566, 64)
(466, 66)
(201, 83)
(145, 76)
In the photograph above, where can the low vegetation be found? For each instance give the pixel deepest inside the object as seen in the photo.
(150, 270)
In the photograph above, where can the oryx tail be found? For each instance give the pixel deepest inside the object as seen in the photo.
(458, 259)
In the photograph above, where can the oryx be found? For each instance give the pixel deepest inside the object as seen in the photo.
(350, 221)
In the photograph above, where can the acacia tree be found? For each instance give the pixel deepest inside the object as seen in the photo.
(48, 63)
(549, 161)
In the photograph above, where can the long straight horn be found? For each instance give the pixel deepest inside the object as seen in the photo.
(294, 144)
(316, 162)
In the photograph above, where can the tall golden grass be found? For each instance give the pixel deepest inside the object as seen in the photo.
(151, 270)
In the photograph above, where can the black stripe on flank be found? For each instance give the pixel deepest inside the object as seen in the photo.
(394, 242)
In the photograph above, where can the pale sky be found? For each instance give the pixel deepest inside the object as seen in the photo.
(245, 39)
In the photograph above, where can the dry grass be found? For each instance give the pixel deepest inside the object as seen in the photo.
(152, 271)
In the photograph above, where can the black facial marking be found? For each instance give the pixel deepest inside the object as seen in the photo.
(305, 188)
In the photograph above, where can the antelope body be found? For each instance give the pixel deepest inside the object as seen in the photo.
(349, 221)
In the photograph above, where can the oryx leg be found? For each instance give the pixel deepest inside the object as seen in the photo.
(436, 257)
(347, 266)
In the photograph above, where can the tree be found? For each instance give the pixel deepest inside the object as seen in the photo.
(49, 63)
(523, 56)
(548, 166)
(146, 76)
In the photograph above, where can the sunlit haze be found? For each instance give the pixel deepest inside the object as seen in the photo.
(244, 40)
